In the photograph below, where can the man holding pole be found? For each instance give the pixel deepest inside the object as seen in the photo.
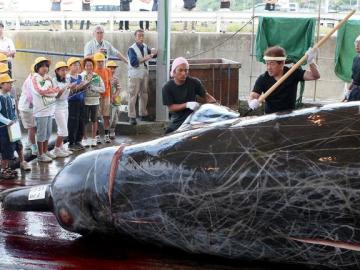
(284, 97)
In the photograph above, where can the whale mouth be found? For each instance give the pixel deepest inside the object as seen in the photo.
(329, 243)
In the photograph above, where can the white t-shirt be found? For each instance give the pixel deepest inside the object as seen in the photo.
(7, 45)
(43, 95)
(62, 101)
(24, 102)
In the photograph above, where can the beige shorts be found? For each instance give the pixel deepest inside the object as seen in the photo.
(27, 119)
(105, 106)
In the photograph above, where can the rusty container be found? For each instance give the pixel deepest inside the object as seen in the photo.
(219, 76)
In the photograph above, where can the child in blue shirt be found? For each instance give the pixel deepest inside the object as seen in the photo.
(8, 118)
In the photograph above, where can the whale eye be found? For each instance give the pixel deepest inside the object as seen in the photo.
(66, 217)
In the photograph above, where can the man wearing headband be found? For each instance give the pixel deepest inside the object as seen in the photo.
(284, 97)
(180, 93)
(353, 93)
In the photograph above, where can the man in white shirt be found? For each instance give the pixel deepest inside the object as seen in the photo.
(99, 44)
(7, 47)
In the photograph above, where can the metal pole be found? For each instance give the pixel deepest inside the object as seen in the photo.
(317, 39)
(252, 43)
(163, 59)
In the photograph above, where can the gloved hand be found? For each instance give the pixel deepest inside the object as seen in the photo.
(347, 92)
(253, 104)
(192, 105)
(312, 53)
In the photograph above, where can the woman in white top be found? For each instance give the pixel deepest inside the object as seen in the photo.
(61, 109)
(92, 97)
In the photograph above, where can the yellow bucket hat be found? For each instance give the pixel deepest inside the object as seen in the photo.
(41, 59)
(3, 57)
(3, 68)
(72, 60)
(99, 56)
(5, 78)
(111, 64)
(60, 64)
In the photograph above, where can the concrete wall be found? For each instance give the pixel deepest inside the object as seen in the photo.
(238, 48)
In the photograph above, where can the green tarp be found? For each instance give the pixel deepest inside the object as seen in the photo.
(295, 35)
(345, 49)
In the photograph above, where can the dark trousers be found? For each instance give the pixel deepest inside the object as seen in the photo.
(147, 23)
(76, 123)
(121, 25)
(70, 24)
(87, 24)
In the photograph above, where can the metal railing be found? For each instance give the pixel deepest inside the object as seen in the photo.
(180, 16)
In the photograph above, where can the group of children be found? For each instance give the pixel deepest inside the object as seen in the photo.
(81, 92)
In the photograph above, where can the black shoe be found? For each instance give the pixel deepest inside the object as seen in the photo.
(79, 146)
(147, 118)
(132, 121)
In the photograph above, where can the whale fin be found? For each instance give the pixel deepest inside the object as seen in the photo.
(36, 198)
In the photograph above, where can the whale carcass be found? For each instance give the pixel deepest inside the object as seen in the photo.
(280, 187)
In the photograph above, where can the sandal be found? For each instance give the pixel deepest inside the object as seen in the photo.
(11, 171)
(8, 174)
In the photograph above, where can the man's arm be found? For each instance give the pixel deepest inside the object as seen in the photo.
(207, 99)
(122, 57)
(177, 107)
(312, 74)
(254, 95)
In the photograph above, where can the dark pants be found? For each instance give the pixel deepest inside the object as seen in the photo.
(87, 24)
(147, 23)
(10, 68)
(76, 122)
(70, 24)
(269, 7)
(354, 93)
(121, 25)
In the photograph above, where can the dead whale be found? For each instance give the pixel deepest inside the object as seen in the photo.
(280, 187)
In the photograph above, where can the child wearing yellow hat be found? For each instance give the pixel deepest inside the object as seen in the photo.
(92, 98)
(76, 104)
(61, 109)
(115, 97)
(43, 94)
(7, 118)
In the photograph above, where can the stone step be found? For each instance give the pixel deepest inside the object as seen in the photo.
(142, 127)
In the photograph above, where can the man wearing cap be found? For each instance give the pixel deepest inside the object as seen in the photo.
(98, 44)
(7, 47)
(139, 55)
(284, 97)
(353, 92)
(180, 94)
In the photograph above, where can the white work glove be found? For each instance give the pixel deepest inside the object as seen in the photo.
(312, 53)
(347, 92)
(192, 105)
(253, 104)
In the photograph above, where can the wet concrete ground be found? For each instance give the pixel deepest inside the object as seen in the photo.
(34, 240)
